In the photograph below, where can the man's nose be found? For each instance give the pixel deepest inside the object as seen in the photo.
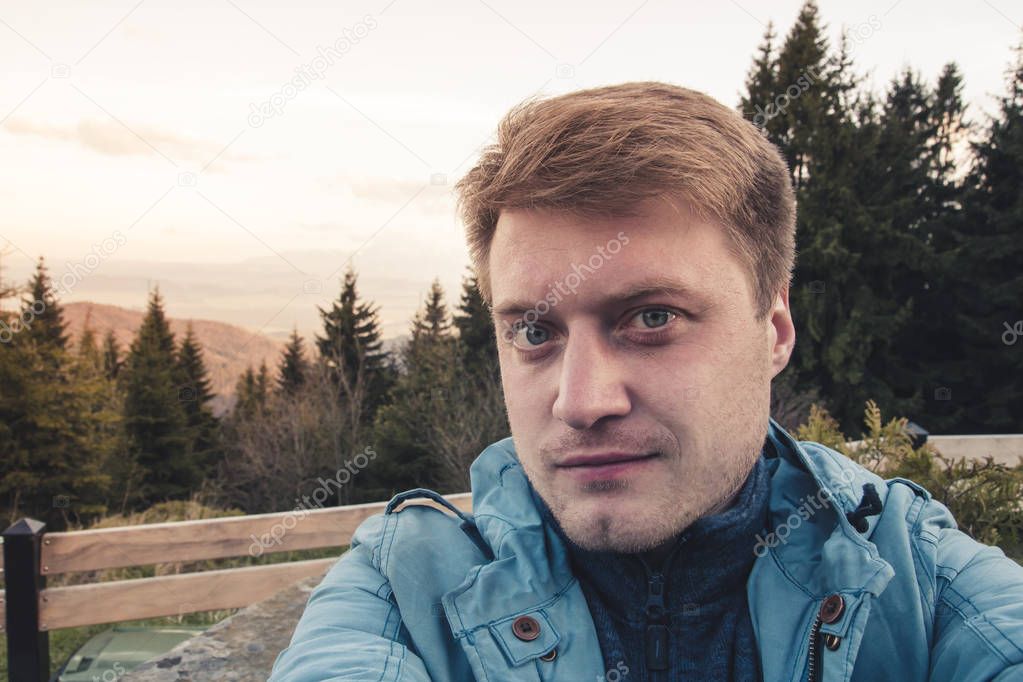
(591, 384)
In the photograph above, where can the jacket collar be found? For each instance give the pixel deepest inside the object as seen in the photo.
(531, 567)
(708, 562)
(824, 553)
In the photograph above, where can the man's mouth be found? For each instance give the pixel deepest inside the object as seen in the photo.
(604, 465)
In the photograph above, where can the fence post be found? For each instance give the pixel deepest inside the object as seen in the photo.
(28, 648)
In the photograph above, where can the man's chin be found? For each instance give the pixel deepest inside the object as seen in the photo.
(624, 528)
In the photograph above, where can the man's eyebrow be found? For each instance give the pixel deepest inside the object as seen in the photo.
(663, 286)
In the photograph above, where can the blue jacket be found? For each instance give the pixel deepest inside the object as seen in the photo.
(426, 595)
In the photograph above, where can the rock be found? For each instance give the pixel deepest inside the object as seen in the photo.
(241, 648)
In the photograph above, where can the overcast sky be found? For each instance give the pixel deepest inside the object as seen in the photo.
(144, 124)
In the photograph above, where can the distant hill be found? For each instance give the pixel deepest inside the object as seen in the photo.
(228, 350)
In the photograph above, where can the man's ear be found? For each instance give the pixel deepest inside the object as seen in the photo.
(781, 332)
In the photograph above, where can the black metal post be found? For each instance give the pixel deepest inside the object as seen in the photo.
(28, 648)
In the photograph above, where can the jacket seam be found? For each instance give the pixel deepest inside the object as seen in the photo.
(390, 647)
(970, 623)
(386, 556)
(965, 622)
(509, 528)
(376, 550)
(784, 571)
(979, 616)
(506, 467)
(927, 600)
(458, 611)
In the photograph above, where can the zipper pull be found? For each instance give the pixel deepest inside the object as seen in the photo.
(656, 629)
(657, 647)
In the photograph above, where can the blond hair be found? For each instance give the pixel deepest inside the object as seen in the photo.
(601, 151)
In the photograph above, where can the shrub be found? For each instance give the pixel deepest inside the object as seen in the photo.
(985, 497)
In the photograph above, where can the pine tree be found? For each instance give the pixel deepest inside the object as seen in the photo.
(42, 316)
(435, 314)
(262, 385)
(988, 260)
(246, 399)
(443, 411)
(294, 366)
(950, 128)
(476, 328)
(932, 191)
(352, 347)
(111, 355)
(195, 388)
(59, 424)
(848, 295)
(155, 417)
(804, 66)
(418, 398)
(432, 324)
(758, 103)
(897, 258)
(88, 352)
(196, 396)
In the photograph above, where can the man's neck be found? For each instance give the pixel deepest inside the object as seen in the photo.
(659, 554)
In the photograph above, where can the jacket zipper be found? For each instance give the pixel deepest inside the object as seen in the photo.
(658, 646)
(813, 665)
(657, 625)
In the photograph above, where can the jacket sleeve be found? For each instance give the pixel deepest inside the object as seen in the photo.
(978, 616)
(351, 628)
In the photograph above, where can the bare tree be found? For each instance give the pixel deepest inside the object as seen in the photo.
(279, 456)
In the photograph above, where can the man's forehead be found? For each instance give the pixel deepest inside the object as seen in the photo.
(584, 262)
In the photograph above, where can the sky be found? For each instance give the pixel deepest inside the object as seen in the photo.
(156, 143)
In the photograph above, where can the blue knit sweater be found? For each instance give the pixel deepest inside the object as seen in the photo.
(703, 631)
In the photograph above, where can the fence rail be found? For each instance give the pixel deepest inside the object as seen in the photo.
(29, 609)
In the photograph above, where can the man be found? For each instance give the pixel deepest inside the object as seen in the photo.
(646, 520)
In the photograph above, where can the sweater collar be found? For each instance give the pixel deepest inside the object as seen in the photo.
(711, 559)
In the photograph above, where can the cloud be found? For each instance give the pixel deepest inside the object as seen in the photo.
(112, 139)
(433, 195)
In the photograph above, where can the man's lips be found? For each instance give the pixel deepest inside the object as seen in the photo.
(603, 459)
(604, 465)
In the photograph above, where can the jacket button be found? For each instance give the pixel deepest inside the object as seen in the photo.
(526, 628)
(832, 641)
(550, 655)
(832, 608)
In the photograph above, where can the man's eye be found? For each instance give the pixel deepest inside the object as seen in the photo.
(655, 317)
(530, 336)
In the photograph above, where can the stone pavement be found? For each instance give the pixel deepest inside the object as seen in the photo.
(241, 648)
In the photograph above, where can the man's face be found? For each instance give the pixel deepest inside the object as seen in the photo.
(634, 409)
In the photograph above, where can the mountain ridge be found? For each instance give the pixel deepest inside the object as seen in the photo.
(228, 350)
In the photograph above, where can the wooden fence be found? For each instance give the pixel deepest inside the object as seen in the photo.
(30, 609)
